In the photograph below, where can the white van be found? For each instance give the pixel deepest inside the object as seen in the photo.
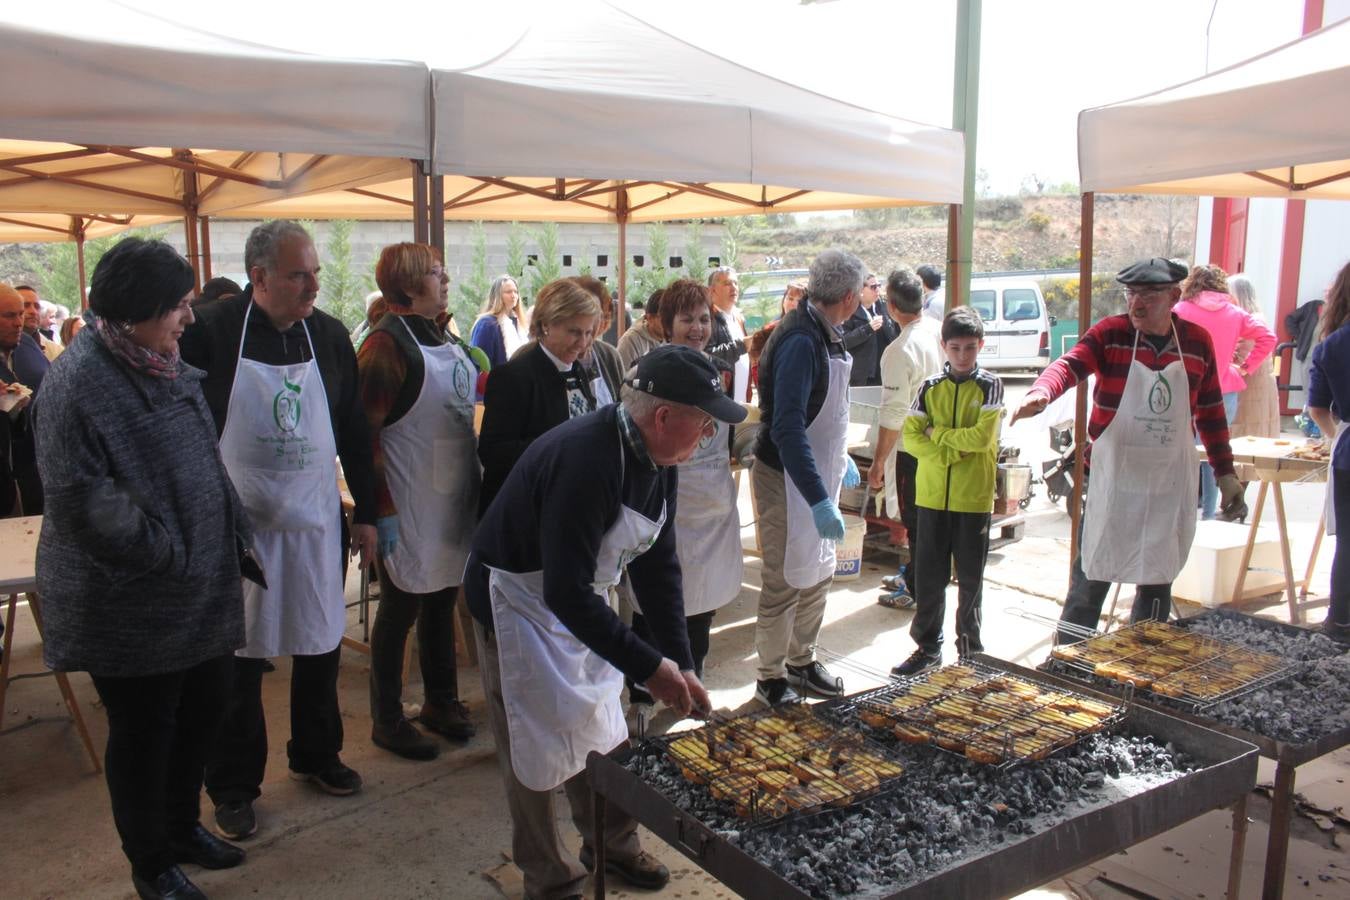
(1016, 325)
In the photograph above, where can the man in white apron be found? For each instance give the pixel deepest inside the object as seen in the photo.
(800, 464)
(282, 386)
(728, 340)
(1157, 387)
(552, 653)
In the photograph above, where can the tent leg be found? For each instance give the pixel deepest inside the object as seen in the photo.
(619, 294)
(436, 208)
(79, 259)
(421, 231)
(206, 248)
(1080, 406)
(952, 296)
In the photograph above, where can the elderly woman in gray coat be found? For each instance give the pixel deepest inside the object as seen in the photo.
(138, 560)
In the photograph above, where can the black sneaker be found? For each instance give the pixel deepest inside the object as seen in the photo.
(813, 678)
(405, 740)
(334, 778)
(919, 661)
(775, 692)
(235, 820)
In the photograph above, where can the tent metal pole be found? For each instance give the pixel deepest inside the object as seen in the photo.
(953, 296)
(421, 233)
(437, 209)
(619, 294)
(1075, 498)
(965, 118)
(79, 227)
(190, 218)
(205, 222)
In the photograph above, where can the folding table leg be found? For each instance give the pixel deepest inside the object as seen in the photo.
(598, 845)
(63, 682)
(1239, 848)
(1277, 848)
(6, 652)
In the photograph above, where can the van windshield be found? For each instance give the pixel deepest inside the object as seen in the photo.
(1019, 305)
(983, 303)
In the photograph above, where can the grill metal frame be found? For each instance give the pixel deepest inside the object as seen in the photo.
(1227, 773)
(847, 710)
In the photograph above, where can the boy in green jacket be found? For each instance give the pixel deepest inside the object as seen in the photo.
(952, 430)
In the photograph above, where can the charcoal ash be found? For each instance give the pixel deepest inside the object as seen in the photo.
(1252, 633)
(1300, 709)
(942, 811)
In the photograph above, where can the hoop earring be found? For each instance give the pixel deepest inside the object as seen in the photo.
(128, 328)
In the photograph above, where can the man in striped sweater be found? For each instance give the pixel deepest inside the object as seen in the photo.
(1143, 468)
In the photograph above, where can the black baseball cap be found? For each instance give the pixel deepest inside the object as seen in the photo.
(683, 375)
(1153, 271)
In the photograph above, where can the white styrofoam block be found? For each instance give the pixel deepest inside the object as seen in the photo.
(1211, 570)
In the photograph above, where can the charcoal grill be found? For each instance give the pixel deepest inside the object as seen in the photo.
(844, 765)
(998, 732)
(1226, 771)
(1288, 756)
(1186, 672)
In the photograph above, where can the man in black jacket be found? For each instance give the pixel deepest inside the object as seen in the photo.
(17, 453)
(281, 382)
(592, 496)
(866, 334)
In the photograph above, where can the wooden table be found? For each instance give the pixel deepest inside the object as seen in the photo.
(1273, 465)
(18, 554)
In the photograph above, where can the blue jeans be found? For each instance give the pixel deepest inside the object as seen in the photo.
(1209, 488)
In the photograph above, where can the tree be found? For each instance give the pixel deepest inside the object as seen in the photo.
(548, 261)
(695, 257)
(473, 290)
(340, 285)
(515, 252)
(652, 276)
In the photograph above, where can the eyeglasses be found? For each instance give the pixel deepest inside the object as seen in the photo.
(872, 285)
(437, 271)
(1147, 293)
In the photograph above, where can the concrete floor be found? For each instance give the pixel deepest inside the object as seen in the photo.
(440, 828)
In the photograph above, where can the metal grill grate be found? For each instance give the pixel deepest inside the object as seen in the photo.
(781, 762)
(979, 712)
(1173, 663)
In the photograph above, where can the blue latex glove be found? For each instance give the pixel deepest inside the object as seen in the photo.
(851, 477)
(386, 529)
(829, 523)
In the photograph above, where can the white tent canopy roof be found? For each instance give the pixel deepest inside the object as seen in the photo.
(586, 95)
(1272, 126)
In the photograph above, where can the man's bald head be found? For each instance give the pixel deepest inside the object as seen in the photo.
(11, 318)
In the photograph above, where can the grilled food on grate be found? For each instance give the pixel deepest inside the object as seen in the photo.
(770, 765)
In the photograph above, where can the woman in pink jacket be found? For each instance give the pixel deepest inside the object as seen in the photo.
(1205, 301)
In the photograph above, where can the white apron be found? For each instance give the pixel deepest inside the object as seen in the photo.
(807, 559)
(279, 450)
(431, 464)
(561, 698)
(1142, 490)
(1329, 505)
(708, 527)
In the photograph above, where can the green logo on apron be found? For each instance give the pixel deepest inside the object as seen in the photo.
(286, 407)
(1160, 396)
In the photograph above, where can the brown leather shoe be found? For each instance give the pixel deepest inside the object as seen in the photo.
(450, 720)
(642, 871)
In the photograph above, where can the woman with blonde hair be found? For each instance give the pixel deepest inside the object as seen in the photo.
(417, 386)
(1205, 302)
(1258, 409)
(542, 386)
(500, 331)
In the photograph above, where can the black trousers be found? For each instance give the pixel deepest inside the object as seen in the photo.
(1083, 604)
(945, 537)
(699, 627)
(235, 771)
(906, 472)
(160, 729)
(1339, 611)
(397, 611)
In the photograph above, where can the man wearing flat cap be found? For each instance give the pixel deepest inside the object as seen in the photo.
(589, 498)
(1157, 387)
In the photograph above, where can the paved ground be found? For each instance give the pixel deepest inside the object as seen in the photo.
(439, 828)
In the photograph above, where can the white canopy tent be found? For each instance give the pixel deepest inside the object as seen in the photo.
(1272, 126)
(577, 112)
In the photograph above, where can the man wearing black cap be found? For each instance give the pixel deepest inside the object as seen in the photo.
(1156, 379)
(589, 498)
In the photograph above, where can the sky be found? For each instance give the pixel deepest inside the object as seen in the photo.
(1042, 61)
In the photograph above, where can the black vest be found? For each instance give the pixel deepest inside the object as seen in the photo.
(799, 319)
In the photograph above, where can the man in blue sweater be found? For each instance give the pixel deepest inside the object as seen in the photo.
(589, 498)
(801, 461)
